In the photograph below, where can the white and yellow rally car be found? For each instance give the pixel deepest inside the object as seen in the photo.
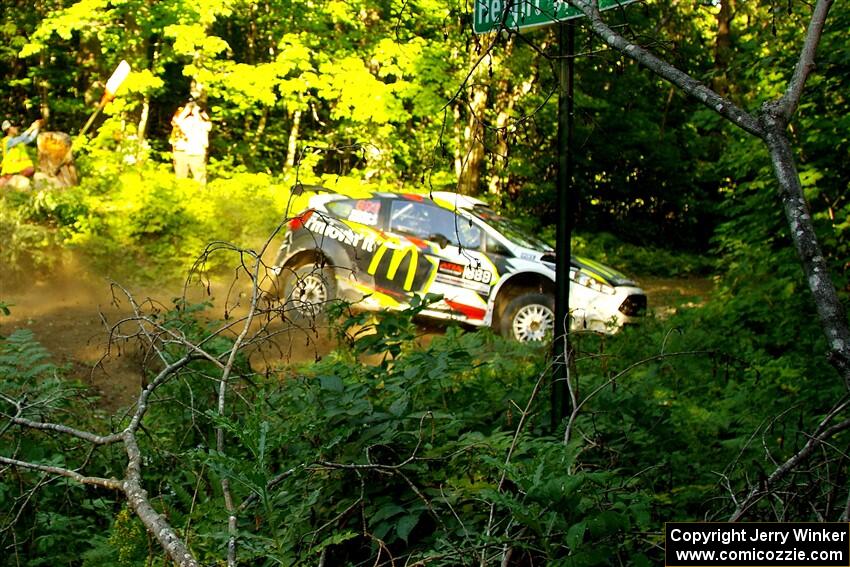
(380, 250)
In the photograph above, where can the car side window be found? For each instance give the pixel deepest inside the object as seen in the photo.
(468, 233)
(363, 211)
(413, 218)
(426, 221)
(496, 247)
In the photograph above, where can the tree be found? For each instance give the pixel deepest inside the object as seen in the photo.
(770, 124)
(174, 351)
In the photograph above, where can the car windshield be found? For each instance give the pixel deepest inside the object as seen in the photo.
(510, 230)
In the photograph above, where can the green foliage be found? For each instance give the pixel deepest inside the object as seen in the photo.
(392, 446)
(402, 454)
(27, 246)
(23, 360)
(126, 545)
(158, 224)
(379, 89)
(395, 445)
(45, 521)
(641, 260)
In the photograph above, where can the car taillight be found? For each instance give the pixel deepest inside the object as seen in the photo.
(634, 306)
(298, 221)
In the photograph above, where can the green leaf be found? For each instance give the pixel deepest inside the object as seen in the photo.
(386, 511)
(575, 535)
(335, 539)
(332, 383)
(399, 406)
(405, 526)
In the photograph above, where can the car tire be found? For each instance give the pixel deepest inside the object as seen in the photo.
(529, 317)
(307, 290)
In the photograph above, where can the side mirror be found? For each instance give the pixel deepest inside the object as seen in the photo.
(439, 239)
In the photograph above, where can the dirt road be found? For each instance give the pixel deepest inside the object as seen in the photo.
(71, 313)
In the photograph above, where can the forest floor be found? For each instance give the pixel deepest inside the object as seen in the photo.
(71, 311)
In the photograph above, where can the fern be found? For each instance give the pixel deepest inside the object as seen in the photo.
(23, 359)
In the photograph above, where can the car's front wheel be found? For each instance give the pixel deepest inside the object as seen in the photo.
(308, 289)
(529, 317)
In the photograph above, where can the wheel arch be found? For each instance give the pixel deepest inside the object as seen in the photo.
(328, 252)
(302, 257)
(516, 285)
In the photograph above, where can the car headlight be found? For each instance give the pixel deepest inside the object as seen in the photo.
(587, 281)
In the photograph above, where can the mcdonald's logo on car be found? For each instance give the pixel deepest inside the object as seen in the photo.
(399, 254)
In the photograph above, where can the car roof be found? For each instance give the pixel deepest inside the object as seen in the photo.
(445, 199)
(452, 200)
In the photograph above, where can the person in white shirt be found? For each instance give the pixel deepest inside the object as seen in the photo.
(189, 141)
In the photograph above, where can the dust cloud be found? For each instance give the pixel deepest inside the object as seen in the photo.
(71, 311)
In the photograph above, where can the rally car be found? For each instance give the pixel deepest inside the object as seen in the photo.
(379, 250)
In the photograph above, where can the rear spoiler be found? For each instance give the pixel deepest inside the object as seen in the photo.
(299, 188)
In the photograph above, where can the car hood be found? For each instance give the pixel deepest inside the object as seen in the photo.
(601, 272)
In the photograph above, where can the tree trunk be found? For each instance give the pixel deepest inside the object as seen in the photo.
(723, 47)
(472, 148)
(458, 136)
(142, 127)
(292, 145)
(497, 183)
(43, 90)
(506, 99)
(832, 316)
(258, 134)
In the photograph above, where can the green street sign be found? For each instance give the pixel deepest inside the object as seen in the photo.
(490, 15)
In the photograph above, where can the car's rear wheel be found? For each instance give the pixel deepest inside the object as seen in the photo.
(529, 317)
(308, 289)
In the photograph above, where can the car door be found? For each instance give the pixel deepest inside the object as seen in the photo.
(402, 261)
(440, 254)
(465, 273)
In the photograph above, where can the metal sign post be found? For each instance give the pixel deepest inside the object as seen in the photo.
(515, 15)
(561, 352)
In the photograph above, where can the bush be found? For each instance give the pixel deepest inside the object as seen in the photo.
(641, 260)
(45, 520)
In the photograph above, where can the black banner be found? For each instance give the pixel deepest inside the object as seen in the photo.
(757, 544)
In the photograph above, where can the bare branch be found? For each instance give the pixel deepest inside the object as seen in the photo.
(759, 491)
(155, 522)
(514, 442)
(224, 381)
(111, 483)
(162, 377)
(58, 428)
(702, 93)
(830, 310)
(791, 99)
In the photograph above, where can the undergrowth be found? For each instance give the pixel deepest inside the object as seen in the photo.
(391, 449)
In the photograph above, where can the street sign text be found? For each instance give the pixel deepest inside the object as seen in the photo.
(491, 15)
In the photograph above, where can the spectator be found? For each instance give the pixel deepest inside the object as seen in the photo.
(16, 160)
(189, 140)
